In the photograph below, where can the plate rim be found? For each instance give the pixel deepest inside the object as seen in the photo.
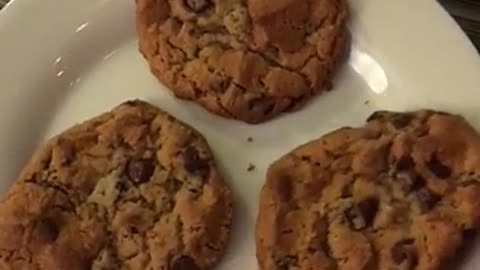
(11, 18)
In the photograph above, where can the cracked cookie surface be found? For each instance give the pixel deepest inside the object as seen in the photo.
(244, 59)
(133, 188)
(400, 193)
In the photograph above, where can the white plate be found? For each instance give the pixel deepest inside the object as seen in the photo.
(63, 61)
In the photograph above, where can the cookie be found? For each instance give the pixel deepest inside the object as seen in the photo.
(400, 193)
(133, 188)
(244, 59)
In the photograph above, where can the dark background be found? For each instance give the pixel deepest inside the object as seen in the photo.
(467, 14)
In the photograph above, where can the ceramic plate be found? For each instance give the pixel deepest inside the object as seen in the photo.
(63, 61)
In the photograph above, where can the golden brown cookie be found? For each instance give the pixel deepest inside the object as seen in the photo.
(133, 188)
(399, 193)
(244, 59)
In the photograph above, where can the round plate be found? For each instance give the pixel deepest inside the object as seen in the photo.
(65, 61)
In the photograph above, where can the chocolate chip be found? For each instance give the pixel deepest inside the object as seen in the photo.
(171, 118)
(469, 234)
(347, 191)
(404, 253)
(194, 163)
(140, 170)
(306, 158)
(133, 103)
(378, 115)
(400, 120)
(426, 199)
(438, 168)
(285, 262)
(197, 5)
(269, 109)
(410, 181)
(194, 191)
(404, 163)
(363, 215)
(282, 265)
(47, 230)
(368, 208)
(121, 186)
(399, 254)
(133, 230)
(224, 85)
(256, 104)
(292, 106)
(183, 263)
(355, 219)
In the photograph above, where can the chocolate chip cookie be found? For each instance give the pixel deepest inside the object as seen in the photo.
(244, 59)
(399, 193)
(133, 188)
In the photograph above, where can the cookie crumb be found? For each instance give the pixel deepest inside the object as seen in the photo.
(251, 167)
(250, 139)
(367, 102)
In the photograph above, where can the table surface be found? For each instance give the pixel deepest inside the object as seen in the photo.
(467, 15)
(465, 12)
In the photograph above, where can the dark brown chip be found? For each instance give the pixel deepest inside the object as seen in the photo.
(296, 103)
(363, 215)
(354, 219)
(282, 264)
(222, 85)
(285, 262)
(194, 163)
(197, 5)
(133, 103)
(256, 104)
(306, 158)
(405, 163)
(347, 191)
(438, 168)
(121, 186)
(410, 181)
(404, 253)
(376, 116)
(140, 170)
(398, 120)
(426, 199)
(368, 209)
(269, 109)
(401, 120)
(133, 230)
(47, 230)
(251, 167)
(183, 263)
